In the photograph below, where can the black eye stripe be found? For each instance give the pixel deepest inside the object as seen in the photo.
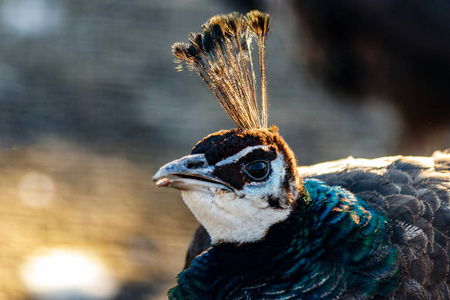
(234, 172)
(267, 154)
(231, 173)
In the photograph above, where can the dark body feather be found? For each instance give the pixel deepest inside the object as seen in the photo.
(414, 194)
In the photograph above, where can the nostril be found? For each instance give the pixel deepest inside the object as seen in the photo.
(196, 164)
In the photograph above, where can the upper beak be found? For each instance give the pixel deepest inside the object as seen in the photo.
(192, 173)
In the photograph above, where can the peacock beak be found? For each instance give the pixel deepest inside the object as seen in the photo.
(190, 173)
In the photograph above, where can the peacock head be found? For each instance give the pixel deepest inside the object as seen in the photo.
(237, 183)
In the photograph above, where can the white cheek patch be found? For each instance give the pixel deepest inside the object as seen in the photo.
(232, 218)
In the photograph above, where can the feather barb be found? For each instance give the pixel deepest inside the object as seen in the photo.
(221, 55)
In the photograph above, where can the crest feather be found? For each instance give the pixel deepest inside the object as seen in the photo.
(221, 55)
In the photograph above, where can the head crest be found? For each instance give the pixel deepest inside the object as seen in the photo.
(221, 55)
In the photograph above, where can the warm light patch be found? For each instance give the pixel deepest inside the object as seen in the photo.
(355, 217)
(65, 273)
(36, 189)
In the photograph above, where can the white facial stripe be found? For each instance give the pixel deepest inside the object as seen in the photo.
(239, 155)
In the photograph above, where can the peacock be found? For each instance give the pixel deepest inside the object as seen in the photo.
(348, 229)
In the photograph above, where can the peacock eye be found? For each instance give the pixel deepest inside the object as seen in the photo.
(257, 170)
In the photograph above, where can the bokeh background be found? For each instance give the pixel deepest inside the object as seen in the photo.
(91, 106)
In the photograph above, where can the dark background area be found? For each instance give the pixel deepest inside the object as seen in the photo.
(91, 106)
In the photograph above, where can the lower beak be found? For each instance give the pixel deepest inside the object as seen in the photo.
(190, 173)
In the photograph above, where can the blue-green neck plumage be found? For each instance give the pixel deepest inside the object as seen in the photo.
(333, 245)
